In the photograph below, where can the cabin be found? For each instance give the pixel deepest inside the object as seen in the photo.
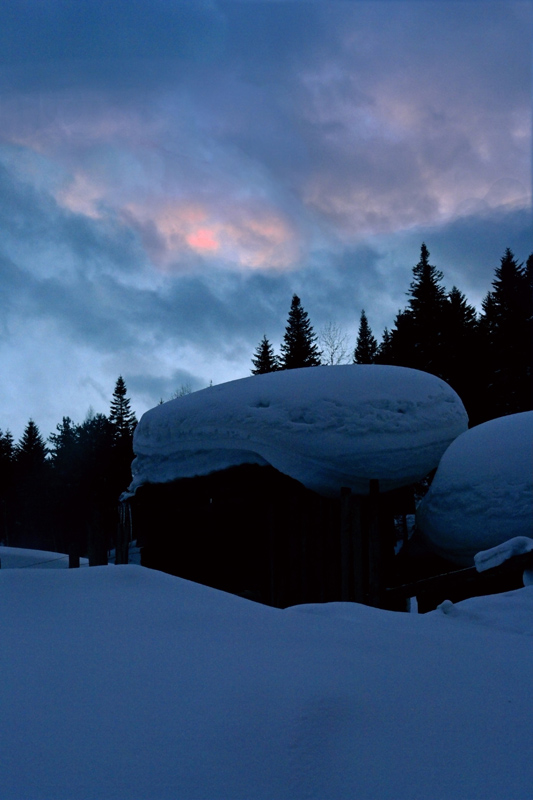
(290, 487)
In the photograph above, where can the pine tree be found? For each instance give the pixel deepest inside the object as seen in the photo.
(264, 359)
(31, 451)
(384, 353)
(459, 362)
(7, 447)
(506, 331)
(123, 420)
(31, 502)
(102, 481)
(299, 348)
(366, 347)
(121, 416)
(64, 442)
(417, 337)
(67, 485)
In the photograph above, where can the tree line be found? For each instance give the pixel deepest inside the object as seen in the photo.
(486, 358)
(62, 494)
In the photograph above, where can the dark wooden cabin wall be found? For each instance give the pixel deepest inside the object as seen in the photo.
(248, 530)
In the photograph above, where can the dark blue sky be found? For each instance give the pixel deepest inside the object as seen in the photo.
(170, 173)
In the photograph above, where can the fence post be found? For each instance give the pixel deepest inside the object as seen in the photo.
(123, 533)
(375, 554)
(73, 555)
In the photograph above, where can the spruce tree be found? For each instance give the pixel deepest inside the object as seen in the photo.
(366, 347)
(417, 337)
(459, 362)
(102, 481)
(121, 416)
(7, 447)
(31, 451)
(123, 420)
(63, 442)
(505, 334)
(67, 486)
(384, 352)
(32, 508)
(299, 348)
(264, 359)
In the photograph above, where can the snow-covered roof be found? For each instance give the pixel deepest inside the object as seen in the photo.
(327, 427)
(482, 493)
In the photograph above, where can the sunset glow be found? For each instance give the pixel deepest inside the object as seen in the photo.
(203, 239)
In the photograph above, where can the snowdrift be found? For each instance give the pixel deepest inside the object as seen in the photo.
(128, 684)
(482, 493)
(327, 427)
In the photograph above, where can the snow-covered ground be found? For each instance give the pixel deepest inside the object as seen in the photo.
(327, 427)
(122, 683)
(20, 558)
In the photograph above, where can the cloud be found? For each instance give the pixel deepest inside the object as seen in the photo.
(171, 173)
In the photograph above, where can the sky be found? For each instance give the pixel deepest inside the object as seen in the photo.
(171, 173)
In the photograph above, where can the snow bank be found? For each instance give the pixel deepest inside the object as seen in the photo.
(128, 684)
(21, 558)
(482, 493)
(327, 427)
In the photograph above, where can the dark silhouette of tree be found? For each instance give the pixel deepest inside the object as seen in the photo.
(68, 499)
(100, 485)
(32, 516)
(31, 451)
(459, 362)
(505, 336)
(299, 348)
(384, 353)
(63, 444)
(366, 347)
(121, 416)
(264, 359)
(417, 338)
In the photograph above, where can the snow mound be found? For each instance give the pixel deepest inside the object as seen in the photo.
(124, 683)
(482, 493)
(326, 427)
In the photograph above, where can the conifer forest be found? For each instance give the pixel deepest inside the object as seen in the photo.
(61, 493)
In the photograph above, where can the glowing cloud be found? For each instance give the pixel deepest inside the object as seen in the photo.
(202, 239)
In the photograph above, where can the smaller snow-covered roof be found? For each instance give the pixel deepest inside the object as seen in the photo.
(482, 493)
(327, 427)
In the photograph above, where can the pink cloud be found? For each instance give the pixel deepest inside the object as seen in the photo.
(202, 239)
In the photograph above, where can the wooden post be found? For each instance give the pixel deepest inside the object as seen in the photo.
(346, 544)
(375, 556)
(354, 550)
(359, 553)
(123, 533)
(73, 555)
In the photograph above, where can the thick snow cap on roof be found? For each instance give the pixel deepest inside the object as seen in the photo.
(327, 427)
(482, 493)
